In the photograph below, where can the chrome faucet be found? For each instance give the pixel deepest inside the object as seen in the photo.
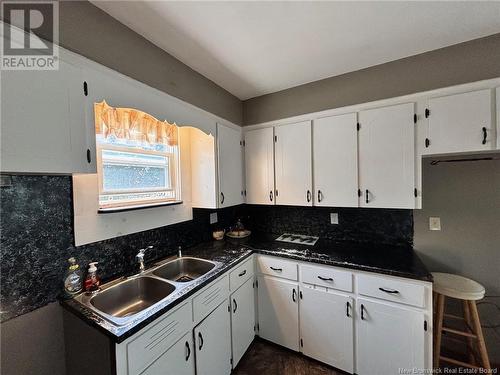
(140, 258)
(179, 252)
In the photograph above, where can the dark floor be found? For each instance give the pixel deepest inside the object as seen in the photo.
(264, 358)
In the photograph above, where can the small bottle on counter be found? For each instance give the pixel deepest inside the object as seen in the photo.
(92, 282)
(73, 278)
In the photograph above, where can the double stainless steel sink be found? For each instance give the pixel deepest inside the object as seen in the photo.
(128, 298)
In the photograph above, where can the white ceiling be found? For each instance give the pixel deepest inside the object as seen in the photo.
(255, 48)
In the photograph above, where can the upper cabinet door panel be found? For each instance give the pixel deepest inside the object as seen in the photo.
(259, 166)
(461, 123)
(387, 157)
(293, 164)
(335, 145)
(43, 126)
(230, 166)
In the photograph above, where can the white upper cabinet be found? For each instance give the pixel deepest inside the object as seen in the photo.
(389, 338)
(335, 160)
(43, 121)
(387, 157)
(293, 164)
(230, 157)
(259, 166)
(460, 123)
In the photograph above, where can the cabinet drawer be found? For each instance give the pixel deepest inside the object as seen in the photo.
(155, 341)
(210, 298)
(327, 277)
(240, 274)
(277, 267)
(391, 289)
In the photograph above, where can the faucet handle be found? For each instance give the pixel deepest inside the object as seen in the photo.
(141, 252)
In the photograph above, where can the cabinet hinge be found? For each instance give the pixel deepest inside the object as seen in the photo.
(258, 327)
(275, 138)
(301, 343)
(359, 193)
(425, 325)
(245, 192)
(415, 118)
(256, 283)
(85, 88)
(415, 192)
(427, 113)
(358, 126)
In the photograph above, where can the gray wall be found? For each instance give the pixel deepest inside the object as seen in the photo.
(33, 344)
(89, 31)
(466, 196)
(461, 63)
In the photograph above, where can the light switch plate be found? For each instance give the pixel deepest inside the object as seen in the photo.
(434, 223)
(213, 218)
(334, 218)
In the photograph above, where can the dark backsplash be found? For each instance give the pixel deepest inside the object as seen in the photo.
(36, 237)
(386, 226)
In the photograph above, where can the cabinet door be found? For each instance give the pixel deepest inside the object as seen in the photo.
(43, 121)
(389, 338)
(230, 169)
(293, 164)
(178, 360)
(460, 123)
(326, 327)
(242, 319)
(259, 166)
(498, 117)
(335, 145)
(387, 157)
(278, 311)
(213, 343)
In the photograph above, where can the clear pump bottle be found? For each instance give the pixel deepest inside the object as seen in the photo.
(73, 278)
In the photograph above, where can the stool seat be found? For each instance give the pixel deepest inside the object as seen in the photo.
(456, 286)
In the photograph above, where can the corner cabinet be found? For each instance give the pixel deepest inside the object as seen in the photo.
(387, 157)
(335, 159)
(293, 164)
(213, 343)
(278, 311)
(230, 166)
(259, 166)
(43, 121)
(460, 123)
(327, 326)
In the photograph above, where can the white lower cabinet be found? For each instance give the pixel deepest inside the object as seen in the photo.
(242, 319)
(178, 360)
(389, 338)
(278, 311)
(326, 327)
(213, 343)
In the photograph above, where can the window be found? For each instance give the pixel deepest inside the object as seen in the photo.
(137, 159)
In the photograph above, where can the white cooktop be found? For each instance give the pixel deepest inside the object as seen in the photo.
(298, 238)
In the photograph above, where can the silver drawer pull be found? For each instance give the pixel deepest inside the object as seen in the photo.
(389, 291)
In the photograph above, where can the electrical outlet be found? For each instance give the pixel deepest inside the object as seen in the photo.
(213, 218)
(334, 218)
(434, 223)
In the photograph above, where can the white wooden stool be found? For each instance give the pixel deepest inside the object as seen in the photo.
(468, 291)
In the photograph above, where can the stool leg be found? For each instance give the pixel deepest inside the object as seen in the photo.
(438, 329)
(479, 332)
(470, 341)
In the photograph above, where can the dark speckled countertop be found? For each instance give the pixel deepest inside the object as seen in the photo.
(385, 259)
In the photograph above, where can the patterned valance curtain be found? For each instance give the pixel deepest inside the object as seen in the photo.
(132, 127)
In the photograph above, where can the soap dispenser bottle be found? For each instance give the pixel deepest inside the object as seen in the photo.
(73, 279)
(92, 282)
